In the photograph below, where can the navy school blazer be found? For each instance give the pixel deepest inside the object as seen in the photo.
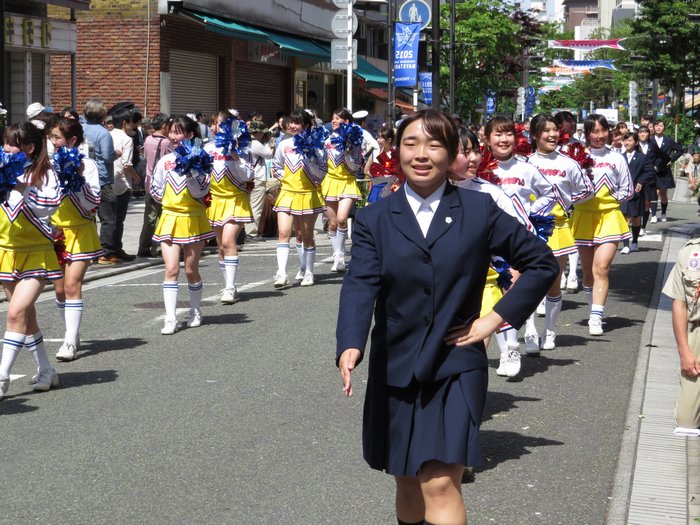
(417, 288)
(641, 168)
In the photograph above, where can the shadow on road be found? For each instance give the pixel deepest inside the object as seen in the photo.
(15, 405)
(499, 447)
(497, 402)
(535, 365)
(88, 348)
(226, 319)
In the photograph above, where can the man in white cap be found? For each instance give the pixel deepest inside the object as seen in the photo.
(370, 146)
(33, 111)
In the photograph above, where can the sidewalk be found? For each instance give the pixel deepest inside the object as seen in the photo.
(658, 474)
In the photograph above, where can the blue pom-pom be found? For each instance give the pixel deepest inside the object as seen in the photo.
(12, 166)
(347, 136)
(307, 142)
(505, 278)
(233, 135)
(191, 160)
(544, 225)
(66, 164)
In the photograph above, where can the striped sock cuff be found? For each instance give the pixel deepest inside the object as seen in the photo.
(231, 261)
(310, 250)
(597, 310)
(221, 264)
(283, 245)
(553, 299)
(193, 287)
(60, 304)
(167, 285)
(587, 289)
(342, 230)
(332, 234)
(74, 305)
(31, 341)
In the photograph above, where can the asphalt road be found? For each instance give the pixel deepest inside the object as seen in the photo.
(242, 420)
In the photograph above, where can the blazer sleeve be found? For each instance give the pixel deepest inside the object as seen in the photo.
(647, 175)
(359, 292)
(530, 256)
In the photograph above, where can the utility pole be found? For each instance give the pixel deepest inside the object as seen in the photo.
(435, 35)
(452, 57)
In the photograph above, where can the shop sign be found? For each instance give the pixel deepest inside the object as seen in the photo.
(266, 54)
(25, 32)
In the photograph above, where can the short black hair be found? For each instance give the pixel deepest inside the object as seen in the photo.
(120, 116)
(160, 120)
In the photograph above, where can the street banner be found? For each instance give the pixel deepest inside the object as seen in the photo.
(530, 97)
(586, 45)
(586, 64)
(490, 102)
(564, 70)
(406, 54)
(426, 82)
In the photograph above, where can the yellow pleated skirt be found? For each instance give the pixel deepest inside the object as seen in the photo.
(299, 203)
(36, 264)
(233, 209)
(599, 227)
(492, 293)
(562, 240)
(182, 229)
(334, 189)
(82, 242)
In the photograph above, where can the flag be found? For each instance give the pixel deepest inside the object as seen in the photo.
(586, 64)
(586, 45)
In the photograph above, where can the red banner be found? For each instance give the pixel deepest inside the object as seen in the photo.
(586, 45)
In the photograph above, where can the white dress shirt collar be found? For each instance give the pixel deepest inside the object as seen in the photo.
(424, 209)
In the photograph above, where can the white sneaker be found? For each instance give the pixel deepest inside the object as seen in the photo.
(512, 364)
(169, 327)
(549, 340)
(595, 325)
(4, 386)
(642, 233)
(194, 318)
(334, 266)
(308, 279)
(340, 263)
(45, 380)
(562, 282)
(66, 352)
(625, 250)
(663, 217)
(280, 280)
(501, 370)
(572, 284)
(229, 296)
(634, 247)
(653, 219)
(541, 312)
(300, 275)
(532, 344)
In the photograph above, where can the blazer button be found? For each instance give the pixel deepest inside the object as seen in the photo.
(427, 290)
(426, 321)
(426, 259)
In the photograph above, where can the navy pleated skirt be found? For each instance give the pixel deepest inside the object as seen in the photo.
(405, 427)
(665, 181)
(635, 206)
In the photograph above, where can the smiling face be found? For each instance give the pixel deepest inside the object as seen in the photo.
(598, 137)
(659, 128)
(177, 135)
(501, 143)
(424, 159)
(643, 135)
(467, 161)
(630, 143)
(336, 121)
(547, 140)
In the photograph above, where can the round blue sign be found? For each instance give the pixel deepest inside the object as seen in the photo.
(415, 11)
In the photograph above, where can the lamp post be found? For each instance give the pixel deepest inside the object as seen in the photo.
(452, 57)
(435, 36)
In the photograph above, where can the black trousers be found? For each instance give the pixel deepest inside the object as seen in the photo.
(107, 212)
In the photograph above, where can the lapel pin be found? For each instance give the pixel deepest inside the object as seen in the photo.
(448, 220)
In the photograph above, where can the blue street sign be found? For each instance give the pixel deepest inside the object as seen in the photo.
(415, 12)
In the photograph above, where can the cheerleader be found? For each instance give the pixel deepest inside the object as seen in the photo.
(598, 224)
(339, 187)
(385, 165)
(230, 199)
(300, 163)
(572, 186)
(75, 219)
(463, 174)
(523, 183)
(181, 184)
(642, 173)
(27, 256)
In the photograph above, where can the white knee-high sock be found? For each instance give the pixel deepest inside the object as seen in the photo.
(597, 310)
(512, 339)
(335, 240)
(195, 290)
(342, 237)
(170, 298)
(222, 267)
(231, 264)
(588, 292)
(310, 256)
(552, 309)
(11, 345)
(74, 315)
(282, 257)
(530, 327)
(501, 341)
(302, 257)
(35, 345)
(61, 307)
(573, 265)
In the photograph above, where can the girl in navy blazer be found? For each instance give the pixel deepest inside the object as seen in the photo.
(419, 264)
(642, 173)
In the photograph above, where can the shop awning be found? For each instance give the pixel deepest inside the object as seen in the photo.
(298, 46)
(381, 94)
(228, 27)
(374, 76)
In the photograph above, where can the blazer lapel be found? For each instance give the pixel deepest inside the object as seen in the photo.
(404, 219)
(449, 212)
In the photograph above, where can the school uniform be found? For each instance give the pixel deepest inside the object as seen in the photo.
(598, 220)
(424, 398)
(665, 151)
(26, 240)
(184, 216)
(572, 186)
(76, 217)
(230, 199)
(642, 173)
(300, 179)
(343, 166)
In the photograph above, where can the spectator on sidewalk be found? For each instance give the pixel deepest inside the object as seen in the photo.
(261, 152)
(683, 286)
(125, 175)
(102, 147)
(155, 146)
